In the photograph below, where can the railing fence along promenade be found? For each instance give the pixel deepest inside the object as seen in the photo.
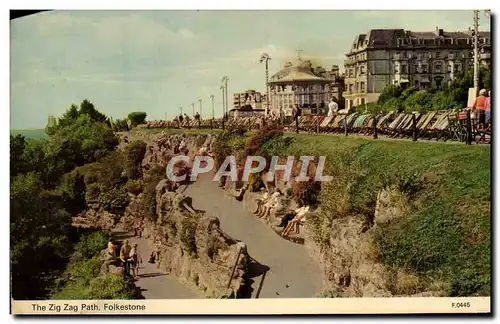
(445, 125)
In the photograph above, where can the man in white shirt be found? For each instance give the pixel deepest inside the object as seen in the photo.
(333, 107)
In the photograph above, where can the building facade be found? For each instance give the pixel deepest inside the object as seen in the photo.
(395, 56)
(301, 84)
(248, 98)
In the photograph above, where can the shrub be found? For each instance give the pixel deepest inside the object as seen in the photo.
(255, 182)
(137, 117)
(93, 192)
(72, 192)
(112, 287)
(187, 236)
(89, 246)
(114, 200)
(134, 187)
(306, 192)
(134, 153)
(390, 91)
(262, 136)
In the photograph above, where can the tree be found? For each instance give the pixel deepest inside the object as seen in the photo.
(137, 117)
(390, 91)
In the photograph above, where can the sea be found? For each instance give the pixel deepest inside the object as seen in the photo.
(30, 133)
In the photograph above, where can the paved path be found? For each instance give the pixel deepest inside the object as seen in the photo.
(154, 283)
(282, 269)
(291, 271)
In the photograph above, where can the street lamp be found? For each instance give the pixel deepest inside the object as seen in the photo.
(199, 100)
(213, 111)
(223, 100)
(265, 58)
(224, 84)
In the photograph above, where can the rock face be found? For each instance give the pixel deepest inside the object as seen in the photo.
(191, 245)
(351, 263)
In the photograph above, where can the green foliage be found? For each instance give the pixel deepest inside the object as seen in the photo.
(82, 278)
(119, 125)
(46, 190)
(114, 200)
(134, 153)
(306, 192)
(137, 117)
(223, 147)
(444, 238)
(390, 91)
(455, 95)
(152, 177)
(90, 246)
(86, 283)
(72, 192)
(255, 182)
(187, 235)
(134, 187)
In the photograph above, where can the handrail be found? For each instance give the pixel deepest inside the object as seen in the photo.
(234, 267)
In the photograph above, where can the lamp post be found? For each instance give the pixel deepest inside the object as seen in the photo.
(265, 58)
(200, 100)
(223, 101)
(476, 50)
(224, 82)
(213, 110)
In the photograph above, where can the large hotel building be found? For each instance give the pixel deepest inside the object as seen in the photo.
(397, 56)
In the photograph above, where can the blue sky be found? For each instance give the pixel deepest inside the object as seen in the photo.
(158, 61)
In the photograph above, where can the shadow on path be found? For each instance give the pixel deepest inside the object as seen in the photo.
(255, 270)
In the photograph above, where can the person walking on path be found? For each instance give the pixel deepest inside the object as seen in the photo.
(125, 256)
(136, 259)
(487, 109)
(333, 107)
(479, 107)
(297, 112)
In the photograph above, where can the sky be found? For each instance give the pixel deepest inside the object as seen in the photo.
(159, 61)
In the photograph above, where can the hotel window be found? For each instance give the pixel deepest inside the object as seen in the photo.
(362, 84)
(404, 68)
(424, 68)
(438, 54)
(458, 67)
(438, 68)
(362, 70)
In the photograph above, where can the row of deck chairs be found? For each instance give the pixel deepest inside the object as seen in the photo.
(439, 125)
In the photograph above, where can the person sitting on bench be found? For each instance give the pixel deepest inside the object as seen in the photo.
(273, 203)
(296, 221)
(261, 201)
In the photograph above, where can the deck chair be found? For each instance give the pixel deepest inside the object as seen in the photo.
(393, 127)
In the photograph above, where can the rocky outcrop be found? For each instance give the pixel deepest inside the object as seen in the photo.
(190, 244)
(350, 260)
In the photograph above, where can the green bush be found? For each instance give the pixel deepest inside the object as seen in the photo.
(255, 182)
(93, 192)
(72, 192)
(390, 91)
(306, 192)
(137, 118)
(90, 246)
(187, 235)
(134, 153)
(134, 187)
(114, 200)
